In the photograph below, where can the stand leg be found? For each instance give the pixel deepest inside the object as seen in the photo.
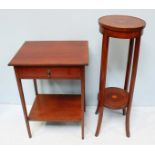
(19, 84)
(99, 121)
(97, 104)
(132, 84)
(104, 60)
(103, 68)
(128, 68)
(35, 86)
(82, 100)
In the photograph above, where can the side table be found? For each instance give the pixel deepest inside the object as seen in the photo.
(52, 60)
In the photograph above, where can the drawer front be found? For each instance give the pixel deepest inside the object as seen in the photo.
(48, 72)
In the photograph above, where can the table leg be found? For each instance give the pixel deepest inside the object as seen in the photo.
(35, 86)
(132, 84)
(82, 99)
(128, 68)
(19, 84)
(84, 89)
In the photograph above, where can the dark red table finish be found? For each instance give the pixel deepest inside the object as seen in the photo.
(124, 27)
(52, 60)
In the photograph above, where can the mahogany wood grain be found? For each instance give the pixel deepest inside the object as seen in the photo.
(124, 27)
(115, 98)
(47, 108)
(51, 53)
(122, 23)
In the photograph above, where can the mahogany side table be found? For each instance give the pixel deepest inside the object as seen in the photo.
(123, 27)
(52, 60)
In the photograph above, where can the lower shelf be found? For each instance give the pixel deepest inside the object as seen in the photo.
(116, 98)
(56, 108)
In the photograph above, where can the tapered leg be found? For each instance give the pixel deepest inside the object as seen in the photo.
(84, 104)
(132, 84)
(82, 99)
(128, 68)
(84, 90)
(19, 84)
(104, 60)
(35, 86)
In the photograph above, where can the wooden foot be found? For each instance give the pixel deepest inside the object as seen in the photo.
(82, 127)
(29, 131)
(127, 124)
(99, 121)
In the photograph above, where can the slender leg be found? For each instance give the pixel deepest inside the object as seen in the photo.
(84, 90)
(128, 68)
(82, 99)
(132, 84)
(19, 84)
(35, 86)
(104, 60)
(105, 42)
(97, 104)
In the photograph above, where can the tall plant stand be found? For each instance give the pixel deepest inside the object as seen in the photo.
(123, 27)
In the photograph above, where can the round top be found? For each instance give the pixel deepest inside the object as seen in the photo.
(121, 23)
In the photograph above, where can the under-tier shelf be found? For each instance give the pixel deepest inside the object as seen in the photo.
(116, 98)
(56, 108)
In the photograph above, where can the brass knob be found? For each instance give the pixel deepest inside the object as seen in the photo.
(49, 73)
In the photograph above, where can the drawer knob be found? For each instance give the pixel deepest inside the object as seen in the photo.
(49, 73)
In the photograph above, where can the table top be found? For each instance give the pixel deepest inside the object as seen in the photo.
(51, 53)
(121, 23)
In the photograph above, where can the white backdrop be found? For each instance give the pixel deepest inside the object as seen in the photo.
(17, 26)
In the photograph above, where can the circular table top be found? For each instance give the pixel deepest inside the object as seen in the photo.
(121, 23)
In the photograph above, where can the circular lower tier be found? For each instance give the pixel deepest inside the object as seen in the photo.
(116, 98)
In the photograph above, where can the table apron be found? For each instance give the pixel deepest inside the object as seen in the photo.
(49, 72)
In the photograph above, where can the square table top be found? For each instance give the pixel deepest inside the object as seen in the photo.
(51, 53)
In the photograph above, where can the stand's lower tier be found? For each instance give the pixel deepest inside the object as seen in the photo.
(56, 108)
(116, 98)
